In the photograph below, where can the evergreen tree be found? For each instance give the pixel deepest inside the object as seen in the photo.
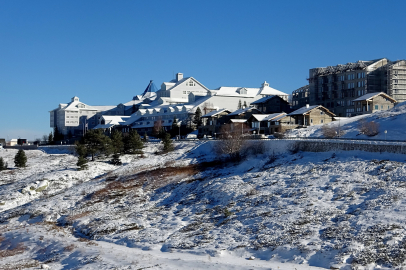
(3, 165)
(82, 163)
(117, 142)
(245, 104)
(82, 153)
(50, 138)
(20, 159)
(198, 117)
(116, 159)
(168, 144)
(145, 137)
(117, 147)
(133, 143)
(239, 105)
(97, 143)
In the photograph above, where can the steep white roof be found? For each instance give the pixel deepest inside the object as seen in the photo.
(267, 117)
(370, 96)
(237, 91)
(213, 113)
(304, 110)
(269, 91)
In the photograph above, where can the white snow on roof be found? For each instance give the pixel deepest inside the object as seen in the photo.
(261, 100)
(213, 113)
(369, 96)
(268, 117)
(238, 120)
(240, 111)
(235, 91)
(303, 110)
(269, 91)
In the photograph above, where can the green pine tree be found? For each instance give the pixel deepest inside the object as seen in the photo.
(245, 104)
(116, 159)
(20, 159)
(117, 147)
(168, 144)
(145, 137)
(239, 105)
(97, 143)
(117, 142)
(82, 163)
(3, 165)
(133, 143)
(198, 117)
(81, 151)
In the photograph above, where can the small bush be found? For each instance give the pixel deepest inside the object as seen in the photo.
(20, 159)
(3, 165)
(227, 212)
(329, 131)
(368, 128)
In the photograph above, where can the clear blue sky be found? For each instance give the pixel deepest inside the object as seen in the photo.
(106, 52)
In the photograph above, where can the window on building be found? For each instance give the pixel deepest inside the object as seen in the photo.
(376, 107)
(321, 121)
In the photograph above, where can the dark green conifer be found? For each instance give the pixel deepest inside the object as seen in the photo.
(168, 144)
(3, 165)
(20, 159)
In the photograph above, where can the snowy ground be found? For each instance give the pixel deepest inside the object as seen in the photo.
(391, 120)
(185, 210)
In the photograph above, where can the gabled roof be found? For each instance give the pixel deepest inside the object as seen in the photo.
(370, 96)
(235, 91)
(175, 84)
(269, 91)
(307, 109)
(214, 113)
(264, 99)
(238, 120)
(241, 111)
(268, 117)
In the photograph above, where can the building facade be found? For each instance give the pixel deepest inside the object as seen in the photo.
(336, 87)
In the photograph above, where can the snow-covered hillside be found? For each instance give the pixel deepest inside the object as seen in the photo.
(187, 210)
(393, 121)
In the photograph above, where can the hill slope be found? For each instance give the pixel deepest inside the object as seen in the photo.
(307, 209)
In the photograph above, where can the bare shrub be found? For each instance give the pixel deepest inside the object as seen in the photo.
(231, 141)
(69, 248)
(256, 147)
(329, 131)
(368, 128)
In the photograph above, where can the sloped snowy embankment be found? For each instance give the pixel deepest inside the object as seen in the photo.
(392, 121)
(289, 211)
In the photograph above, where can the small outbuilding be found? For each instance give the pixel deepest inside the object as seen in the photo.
(312, 115)
(373, 102)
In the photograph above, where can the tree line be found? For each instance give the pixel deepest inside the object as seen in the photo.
(96, 144)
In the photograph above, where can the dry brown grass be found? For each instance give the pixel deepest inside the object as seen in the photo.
(151, 179)
(69, 248)
(6, 250)
(72, 218)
